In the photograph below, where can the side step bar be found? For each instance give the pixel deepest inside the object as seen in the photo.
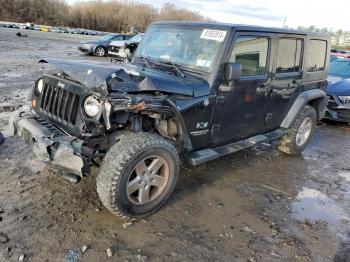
(199, 157)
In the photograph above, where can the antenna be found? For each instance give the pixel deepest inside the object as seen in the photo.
(284, 21)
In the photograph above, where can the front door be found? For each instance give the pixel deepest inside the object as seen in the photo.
(286, 78)
(241, 106)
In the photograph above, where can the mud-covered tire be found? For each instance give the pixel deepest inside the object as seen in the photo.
(120, 164)
(288, 143)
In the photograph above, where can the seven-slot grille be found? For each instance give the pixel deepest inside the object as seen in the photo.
(60, 104)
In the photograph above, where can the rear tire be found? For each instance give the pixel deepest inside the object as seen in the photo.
(138, 175)
(300, 133)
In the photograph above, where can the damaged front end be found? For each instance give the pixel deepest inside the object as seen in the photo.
(78, 111)
(68, 120)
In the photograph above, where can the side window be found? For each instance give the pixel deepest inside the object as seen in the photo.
(289, 55)
(118, 37)
(251, 52)
(317, 56)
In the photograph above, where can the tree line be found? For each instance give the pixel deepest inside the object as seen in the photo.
(111, 16)
(339, 37)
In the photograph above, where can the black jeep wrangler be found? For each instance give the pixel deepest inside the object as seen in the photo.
(195, 90)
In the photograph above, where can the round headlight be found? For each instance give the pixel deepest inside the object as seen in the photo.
(40, 86)
(92, 106)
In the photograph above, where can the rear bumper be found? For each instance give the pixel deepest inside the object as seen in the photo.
(49, 144)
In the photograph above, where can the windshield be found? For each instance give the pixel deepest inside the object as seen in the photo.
(190, 47)
(341, 68)
(136, 38)
(107, 37)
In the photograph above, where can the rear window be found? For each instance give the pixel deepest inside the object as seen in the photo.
(317, 56)
(289, 55)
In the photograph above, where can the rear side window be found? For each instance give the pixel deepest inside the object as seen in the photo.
(289, 55)
(251, 52)
(317, 56)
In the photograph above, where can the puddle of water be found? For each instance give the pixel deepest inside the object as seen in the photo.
(345, 175)
(313, 205)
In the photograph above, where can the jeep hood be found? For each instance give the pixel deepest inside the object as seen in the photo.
(129, 78)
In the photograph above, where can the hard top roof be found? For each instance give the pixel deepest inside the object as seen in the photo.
(240, 27)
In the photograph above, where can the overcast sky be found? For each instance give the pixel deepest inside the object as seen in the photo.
(269, 12)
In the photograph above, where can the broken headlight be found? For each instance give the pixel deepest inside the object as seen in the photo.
(39, 87)
(344, 99)
(92, 106)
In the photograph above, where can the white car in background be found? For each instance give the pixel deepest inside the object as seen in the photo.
(116, 45)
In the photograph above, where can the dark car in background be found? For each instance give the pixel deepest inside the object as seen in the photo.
(125, 51)
(338, 108)
(99, 47)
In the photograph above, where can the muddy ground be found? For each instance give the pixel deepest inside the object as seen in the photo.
(256, 205)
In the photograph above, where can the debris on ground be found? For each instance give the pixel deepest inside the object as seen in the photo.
(22, 34)
(3, 238)
(84, 249)
(128, 224)
(277, 190)
(73, 256)
(21, 258)
(248, 229)
(109, 252)
(141, 258)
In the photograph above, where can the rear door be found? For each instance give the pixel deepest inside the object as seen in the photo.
(240, 106)
(287, 74)
(316, 63)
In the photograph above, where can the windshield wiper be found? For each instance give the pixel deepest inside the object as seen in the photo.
(169, 64)
(145, 60)
(177, 68)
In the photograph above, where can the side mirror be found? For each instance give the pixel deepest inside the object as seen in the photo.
(233, 71)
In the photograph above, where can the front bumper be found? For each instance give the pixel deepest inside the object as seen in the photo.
(49, 144)
(121, 55)
(86, 50)
(338, 111)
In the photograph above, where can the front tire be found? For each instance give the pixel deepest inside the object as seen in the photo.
(138, 175)
(301, 132)
(100, 51)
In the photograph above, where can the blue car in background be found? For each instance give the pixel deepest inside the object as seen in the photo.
(338, 108)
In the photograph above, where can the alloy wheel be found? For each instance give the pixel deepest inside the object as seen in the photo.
(148, 180)
(100, 51)
(304, 131)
